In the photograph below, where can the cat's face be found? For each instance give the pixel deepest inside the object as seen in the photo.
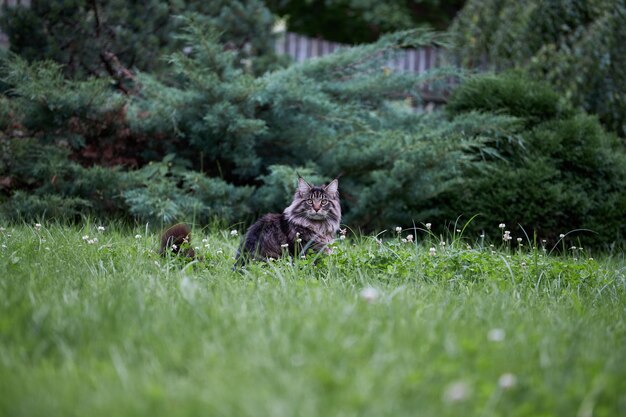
(317, 203)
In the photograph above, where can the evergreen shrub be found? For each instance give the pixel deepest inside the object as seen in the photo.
(565, 173)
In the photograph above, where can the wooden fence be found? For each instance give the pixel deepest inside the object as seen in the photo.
(301, 48)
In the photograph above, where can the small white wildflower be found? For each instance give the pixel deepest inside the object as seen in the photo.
(524, 265)
(219, 252)
(543, 241)
(409, 238)
(137, 236)
(507, 381)
(174, 247)
(297, 234)
(234, 233)
(398, 229)
(502, 225)
(86, 237)
(404, 240)
(591, 259)
(442, 243)
(284, 245)
(342, 237)
(456, 392)
(496, 335)
(458, 230)
(302, 256)
(491, 245)
(37, 226)
(369, 294)
(101, 229)
(561, 235)
(205, 240)
(270, 259)
(572, 248)
(428, 226)
(519, 240)
(432, 252)
(482, 236)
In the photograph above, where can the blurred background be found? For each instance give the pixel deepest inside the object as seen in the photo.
(428, 111)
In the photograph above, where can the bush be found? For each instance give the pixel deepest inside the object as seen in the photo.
(566, 173)
(577, 46)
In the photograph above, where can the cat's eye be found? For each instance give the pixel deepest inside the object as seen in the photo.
(324, 202)
(309, 202)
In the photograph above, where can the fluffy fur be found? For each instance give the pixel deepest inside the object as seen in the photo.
(308, 224)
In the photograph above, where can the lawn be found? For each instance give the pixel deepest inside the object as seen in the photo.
(94, 323)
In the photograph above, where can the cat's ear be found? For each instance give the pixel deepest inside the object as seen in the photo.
(332, 187)
(303, 186)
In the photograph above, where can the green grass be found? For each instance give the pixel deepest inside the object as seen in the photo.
(109, 328)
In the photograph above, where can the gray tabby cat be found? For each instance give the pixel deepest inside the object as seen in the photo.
(309, 223)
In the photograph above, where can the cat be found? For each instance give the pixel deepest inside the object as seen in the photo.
(177, 240)
(309, 223)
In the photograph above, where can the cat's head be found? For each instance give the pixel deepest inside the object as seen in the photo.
(316, 203)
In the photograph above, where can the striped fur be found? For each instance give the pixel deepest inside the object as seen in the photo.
(308, 224)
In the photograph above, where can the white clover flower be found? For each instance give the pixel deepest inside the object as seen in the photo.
(409, 238)
(442, 243)
(502, 225)
(507, 381)
(86, 237)
(341, 237)
(572, 248)
(432, 252)
(37, 226)
(205, 240)
(174, 247)
(404, 240)
(428, 226)
(456, 392)
(496, 335)
(234, 233)
(561, 236)
(482, 236)
(369, 294)
(519, 240)
(284, 245)
(398, 229)
(137, 236)
(458, 230)
(101, 229)
(219, 252)
(524, 265)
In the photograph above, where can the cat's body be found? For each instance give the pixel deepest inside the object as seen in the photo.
(308, 224)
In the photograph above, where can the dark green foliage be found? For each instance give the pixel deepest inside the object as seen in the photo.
(577, 46)
(358, 21)
(111, 37)
(509, 93)
(165, 192)
(566, 173)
